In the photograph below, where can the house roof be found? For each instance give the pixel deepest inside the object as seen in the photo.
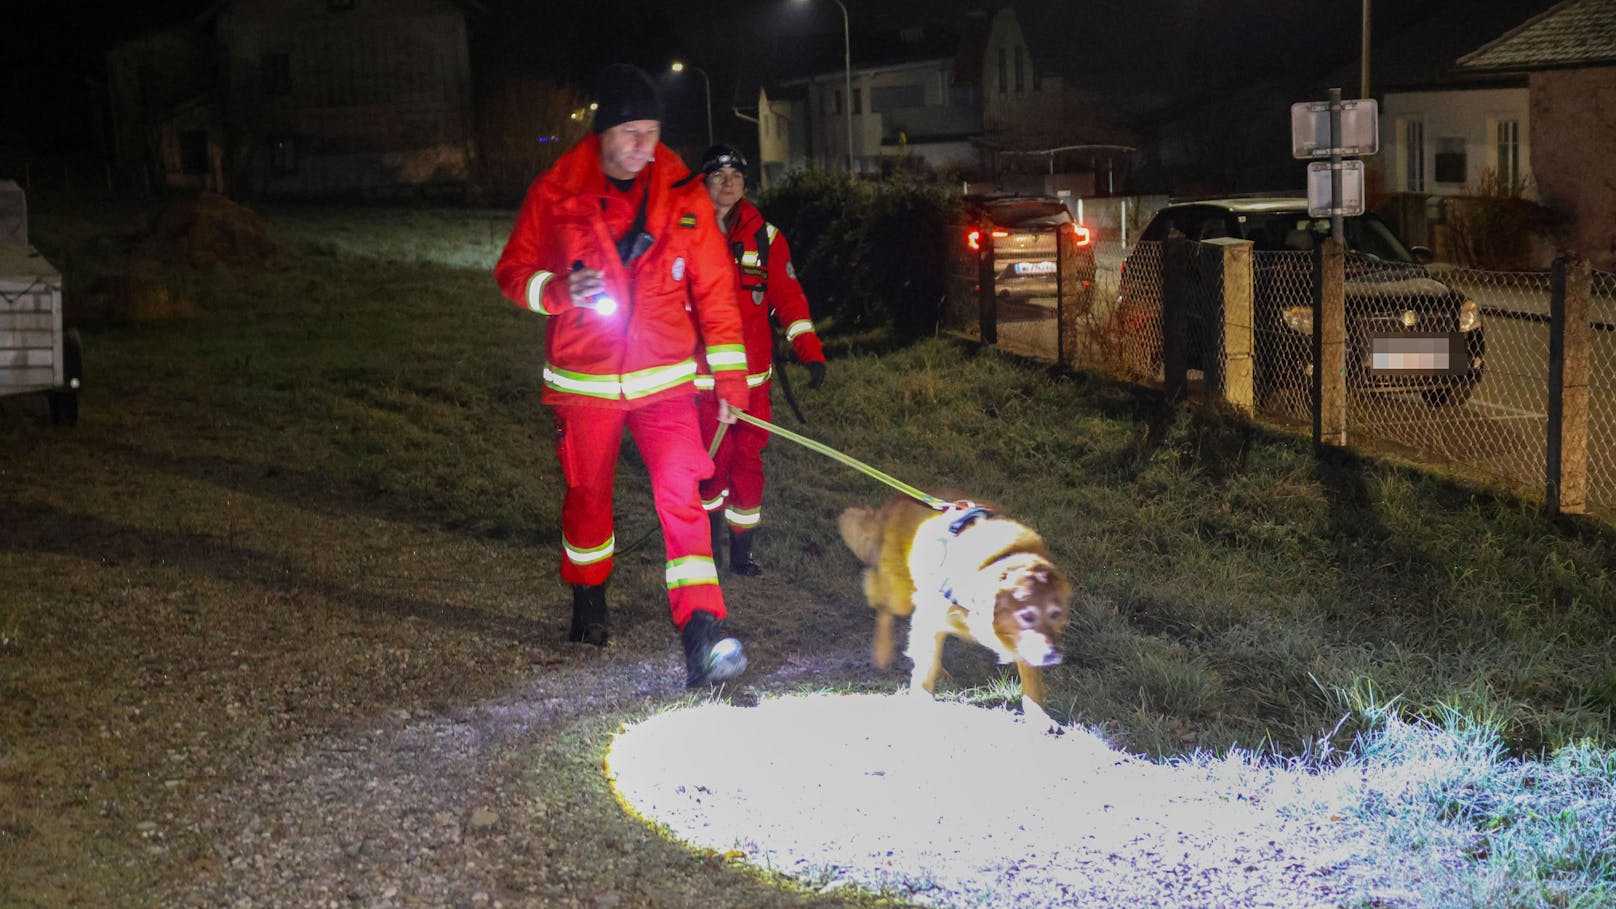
(1572, 33)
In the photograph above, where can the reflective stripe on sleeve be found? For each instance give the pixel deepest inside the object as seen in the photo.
(799, 327)
(535, 291)
(726, 356)
(690, 571)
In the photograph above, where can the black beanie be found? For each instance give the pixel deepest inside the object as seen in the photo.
(623, 93)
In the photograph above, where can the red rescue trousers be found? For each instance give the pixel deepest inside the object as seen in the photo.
(588, 440)
(737, 481)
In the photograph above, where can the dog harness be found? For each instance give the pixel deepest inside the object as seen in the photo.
(970, 513)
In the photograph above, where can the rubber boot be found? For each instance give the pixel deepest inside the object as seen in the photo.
(715, 520)
(712, 655)
(740, 555)
(588, 615)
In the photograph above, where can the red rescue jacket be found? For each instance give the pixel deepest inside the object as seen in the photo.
(647, 349)
(768, 288)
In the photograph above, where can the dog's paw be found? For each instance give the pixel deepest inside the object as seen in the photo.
(1034, 715)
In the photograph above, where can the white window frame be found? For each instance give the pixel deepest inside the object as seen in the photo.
(1411, 154)
(1504, 144)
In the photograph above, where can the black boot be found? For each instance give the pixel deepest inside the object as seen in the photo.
(740, 555)
(715, 520)
(711, 654)
(588, 615)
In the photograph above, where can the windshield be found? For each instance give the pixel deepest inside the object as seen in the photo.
(1366, 235)
(1010, 214)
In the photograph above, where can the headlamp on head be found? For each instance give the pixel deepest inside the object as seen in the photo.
(721, 156)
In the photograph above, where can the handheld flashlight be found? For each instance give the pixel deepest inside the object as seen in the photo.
(600, 302)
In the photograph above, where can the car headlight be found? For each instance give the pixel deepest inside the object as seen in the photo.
(1469, 315)
(1300, 320)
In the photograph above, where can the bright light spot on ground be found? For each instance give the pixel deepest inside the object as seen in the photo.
(953, 805)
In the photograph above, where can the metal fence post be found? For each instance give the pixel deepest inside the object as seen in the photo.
(1570, 337)
(1329, 345)
(987, 300)
(1236, 343)
(1176, 290)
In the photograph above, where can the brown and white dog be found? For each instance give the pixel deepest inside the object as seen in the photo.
(967, 571)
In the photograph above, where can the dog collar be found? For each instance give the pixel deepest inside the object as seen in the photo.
(972, 512)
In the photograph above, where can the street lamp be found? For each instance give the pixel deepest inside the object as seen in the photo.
(847, 63)
(707, 87)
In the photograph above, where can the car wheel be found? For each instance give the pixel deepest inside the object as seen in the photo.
(1452, 396)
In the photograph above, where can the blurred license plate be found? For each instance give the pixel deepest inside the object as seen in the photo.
(1405, 354)
(1035, 268)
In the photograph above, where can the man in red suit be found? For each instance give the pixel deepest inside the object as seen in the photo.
(616, 244)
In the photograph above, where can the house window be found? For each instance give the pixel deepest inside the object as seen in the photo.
(282, 155)
(1507, 154)
(277, 72)
(836, 106)
(858, 100)
(1449, 163)
(1021, 73)
(194, 151)
(1412, 140)
(1004, 72)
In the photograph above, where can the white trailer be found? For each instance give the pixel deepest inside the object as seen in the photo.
(36, 354)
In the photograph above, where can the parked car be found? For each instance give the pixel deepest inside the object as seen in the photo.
(1407, 332)
(1023, 230)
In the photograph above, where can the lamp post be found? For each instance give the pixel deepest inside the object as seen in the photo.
(707, 88)
(847, 65)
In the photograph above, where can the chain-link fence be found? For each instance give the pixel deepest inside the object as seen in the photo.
(1450, 366)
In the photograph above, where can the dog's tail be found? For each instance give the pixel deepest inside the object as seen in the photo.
(861, 531)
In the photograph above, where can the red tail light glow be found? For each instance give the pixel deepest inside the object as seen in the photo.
(973, 239)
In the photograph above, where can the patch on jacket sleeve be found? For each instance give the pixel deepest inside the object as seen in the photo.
(687, 220)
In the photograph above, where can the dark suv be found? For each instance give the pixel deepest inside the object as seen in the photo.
(1406, 331)
(1024, 246)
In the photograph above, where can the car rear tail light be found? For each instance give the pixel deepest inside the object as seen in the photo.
(1082, 234)
(974, 238)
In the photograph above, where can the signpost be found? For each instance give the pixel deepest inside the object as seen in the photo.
(1334, 130)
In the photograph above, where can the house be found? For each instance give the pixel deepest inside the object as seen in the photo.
(902, 102)
(1567, 55)
(306, 98)
(977, 104)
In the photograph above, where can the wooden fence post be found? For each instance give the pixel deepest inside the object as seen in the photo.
(1236, 344)
(1068, 297)
(1329, 345)
(1176, 289)
(1570, 337)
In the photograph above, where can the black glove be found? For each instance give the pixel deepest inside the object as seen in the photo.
(816, 374)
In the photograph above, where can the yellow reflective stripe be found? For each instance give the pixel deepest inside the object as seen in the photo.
(535, 291)
(645, 382)
(633, 385)
(799, 327)
(726, 356)
(744, 517)
(579, 383)
(750, 257)
(770, 231)
(716, 502)
(689, 571)
(580, 556)
(706, 382)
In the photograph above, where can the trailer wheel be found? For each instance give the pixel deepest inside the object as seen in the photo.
(64, 401)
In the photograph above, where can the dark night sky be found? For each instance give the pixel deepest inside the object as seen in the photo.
(49, 62)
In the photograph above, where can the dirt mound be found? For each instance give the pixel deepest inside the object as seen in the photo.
(204, 230)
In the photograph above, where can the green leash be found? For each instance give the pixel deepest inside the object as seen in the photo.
(930, 501)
